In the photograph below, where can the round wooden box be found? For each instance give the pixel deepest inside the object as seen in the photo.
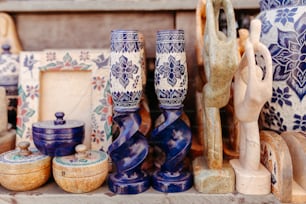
(24, 169)
(58, 137)
(80, 173)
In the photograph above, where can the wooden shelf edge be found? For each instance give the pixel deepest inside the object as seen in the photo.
(15, 6)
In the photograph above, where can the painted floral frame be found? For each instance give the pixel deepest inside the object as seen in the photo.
(96, 61)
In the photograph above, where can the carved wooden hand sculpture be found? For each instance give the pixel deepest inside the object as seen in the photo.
(221, 62)
(252, 88)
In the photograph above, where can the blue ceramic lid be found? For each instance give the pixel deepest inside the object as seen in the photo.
(58, 126)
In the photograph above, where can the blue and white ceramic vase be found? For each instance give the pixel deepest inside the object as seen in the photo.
(9, 74)
(130, 148)
(173, 136)
(284, 33)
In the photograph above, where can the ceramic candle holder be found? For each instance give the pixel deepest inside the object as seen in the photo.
(130, 149)
(173, 136)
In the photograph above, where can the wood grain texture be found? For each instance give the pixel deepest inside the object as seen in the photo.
(88, 30)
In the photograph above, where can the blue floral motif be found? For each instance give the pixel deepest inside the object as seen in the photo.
(284, 15)
(29, 62)
(289, 57)
(300, 122)
(281, 96)
(273, 118)
(172, 70)
(266, 25)
(124, 70)
(268, 4)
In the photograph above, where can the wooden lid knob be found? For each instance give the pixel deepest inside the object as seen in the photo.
(81, 151)
(24, 148)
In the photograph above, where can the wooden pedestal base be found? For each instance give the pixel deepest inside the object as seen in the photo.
(213, 181)
(252, 182)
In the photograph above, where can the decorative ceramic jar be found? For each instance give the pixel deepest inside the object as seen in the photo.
(24, 169)
(173, 136)
(58, 137)
(284, 33)
(9, 74)
(130, 148)
(82, 172)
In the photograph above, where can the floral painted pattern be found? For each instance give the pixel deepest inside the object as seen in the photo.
(67, 63)
(268, 4)
(171, 70)
(289, 57)
(24, 112)
(84, 56)
(285, 15)
(29, 63)
(299, 122)
(95, 61)
(98, 82)
(273, 119)
(8, 64)
(124, 70)
(266, 25)
(50, 56)
(281, 96)
(32, 91)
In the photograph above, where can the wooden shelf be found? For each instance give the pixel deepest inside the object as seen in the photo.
(109, 5)
(51, 193)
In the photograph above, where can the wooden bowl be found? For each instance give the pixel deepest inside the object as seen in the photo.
(80, 173)
(23, 169)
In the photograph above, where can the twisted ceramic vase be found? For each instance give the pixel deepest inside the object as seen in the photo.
(130, 149)
(173, 136)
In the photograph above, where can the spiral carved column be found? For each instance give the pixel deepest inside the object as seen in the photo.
(173, 136)
(130, 148)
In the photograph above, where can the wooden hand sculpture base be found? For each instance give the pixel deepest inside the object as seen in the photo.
(252, 88)
(256, 182)
(213, 181)
(7, 136)
(221, 61)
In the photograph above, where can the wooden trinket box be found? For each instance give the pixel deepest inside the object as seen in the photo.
(24, 169)
(82, 172)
